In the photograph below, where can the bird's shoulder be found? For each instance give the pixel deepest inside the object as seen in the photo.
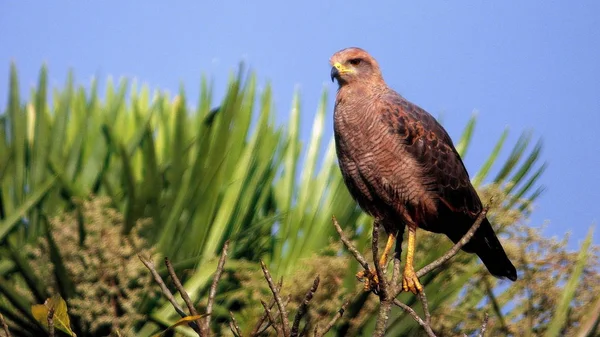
(427, 142)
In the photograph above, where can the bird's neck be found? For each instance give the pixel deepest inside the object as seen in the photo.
(357, 94)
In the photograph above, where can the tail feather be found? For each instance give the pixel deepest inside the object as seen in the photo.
(489, 249)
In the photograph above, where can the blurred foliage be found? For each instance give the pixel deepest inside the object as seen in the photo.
(183, 179)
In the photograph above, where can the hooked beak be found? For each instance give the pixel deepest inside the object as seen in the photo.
(338, 70)
(334, 73)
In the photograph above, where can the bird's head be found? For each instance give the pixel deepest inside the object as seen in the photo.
(353, 65)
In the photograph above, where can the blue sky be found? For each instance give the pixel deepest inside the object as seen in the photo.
(523, 64)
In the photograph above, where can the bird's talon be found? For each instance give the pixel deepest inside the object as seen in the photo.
(410, 282)
(369, 278)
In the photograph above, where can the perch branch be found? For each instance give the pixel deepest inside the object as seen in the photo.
(385, 304)
(282, 311)
(304, 306)
(213, 287)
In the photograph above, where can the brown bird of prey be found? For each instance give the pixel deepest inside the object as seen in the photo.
(402, 168)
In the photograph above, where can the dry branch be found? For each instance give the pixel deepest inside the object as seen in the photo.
(335, 318)
(199, 328)
(387, 292)
(4, 326)
(282, 311)
(213, 288)
(51, 321)
(415, 316)
(304, 306)
(181, 290)
(484, 325)
(357, 255)
(163, 287)
(234, 326)
(257, 330)
(272, 322)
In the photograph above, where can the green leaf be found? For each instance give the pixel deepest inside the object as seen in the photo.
(7, 225)
(562, 308)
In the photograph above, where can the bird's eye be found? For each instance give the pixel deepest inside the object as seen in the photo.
(355, 62)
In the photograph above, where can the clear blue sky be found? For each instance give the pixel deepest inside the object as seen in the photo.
(523, 64)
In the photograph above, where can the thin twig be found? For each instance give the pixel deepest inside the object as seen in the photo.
(163, 287)
(213, 288)
(50, 321)
(425, 305)
(484, 325)
(234, 326)
(454, 250)
(335, 318)
(5, 326)
(282, 311)
(304, 306)
(285, 302)
(357, 255)
(181, 290)
(415, 316)
(256, 330)
(166, 292)
(272, 319)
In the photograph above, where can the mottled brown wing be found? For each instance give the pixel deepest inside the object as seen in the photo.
(425, 139)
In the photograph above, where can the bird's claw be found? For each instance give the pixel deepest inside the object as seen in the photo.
(410, 282)
(369, 278)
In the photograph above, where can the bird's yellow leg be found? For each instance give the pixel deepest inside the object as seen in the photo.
(410, 281)
(383, 261)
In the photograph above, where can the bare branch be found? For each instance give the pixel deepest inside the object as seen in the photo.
(304, 306)
(257, 331)
(277, 327)
(335, 318)
(5, 326)
(463, 241)
(234, 326)
(425, 305)
(415, 316)
(181, 290)
(484, 325)
(213, 287)
(50, 321)
(357, 255)
(163, 287)
(282, 311)
(385, 304)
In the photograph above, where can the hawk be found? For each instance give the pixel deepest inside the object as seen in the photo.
(402, 168)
